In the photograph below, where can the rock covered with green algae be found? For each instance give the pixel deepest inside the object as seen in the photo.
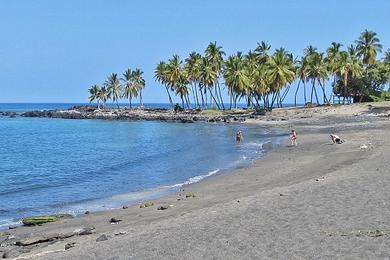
(146, 205)
(38, 220)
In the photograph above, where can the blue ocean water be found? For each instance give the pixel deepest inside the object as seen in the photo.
(70, 166)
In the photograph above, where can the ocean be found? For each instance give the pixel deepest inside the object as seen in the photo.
(69, 166)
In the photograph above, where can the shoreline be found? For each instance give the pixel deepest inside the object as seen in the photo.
(309, 186)
(135, 198)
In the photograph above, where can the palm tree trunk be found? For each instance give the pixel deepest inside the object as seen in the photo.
(274, 96)
(285, 93)
(212, 96)
(216, 97)
(196, 96)
(193, 93)
(230, 99)
(220, 95)
(140, 99)
(315, 92)
(188, 101)
(323, 91)
(311, 95)
(130, 101)
(296, 93)
(201, 94)
(169, 96)
(304, 92)
(205, 93)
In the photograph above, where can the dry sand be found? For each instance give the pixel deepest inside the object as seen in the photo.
(316, 200)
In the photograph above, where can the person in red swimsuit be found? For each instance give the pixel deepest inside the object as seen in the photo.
(294, 137)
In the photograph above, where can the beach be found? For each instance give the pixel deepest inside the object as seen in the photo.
(315, 200)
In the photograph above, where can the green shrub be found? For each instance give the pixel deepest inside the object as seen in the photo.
(177, 108)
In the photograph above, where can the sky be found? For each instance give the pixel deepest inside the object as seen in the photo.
(53, 51)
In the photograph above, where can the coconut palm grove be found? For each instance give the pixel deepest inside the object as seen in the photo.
(262, 78)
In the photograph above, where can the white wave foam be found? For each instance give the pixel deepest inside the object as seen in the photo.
(5, 223)
(194, 179)
(259, 144)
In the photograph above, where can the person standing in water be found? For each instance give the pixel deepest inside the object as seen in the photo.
(239, 137)
(294, 137)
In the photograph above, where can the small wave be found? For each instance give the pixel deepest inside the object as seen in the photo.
(5, 223)
(193, 179)
(259, 144)
(26, 189)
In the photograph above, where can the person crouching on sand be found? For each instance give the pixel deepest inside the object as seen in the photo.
(336, 139)
(238, 137)
(294, 137)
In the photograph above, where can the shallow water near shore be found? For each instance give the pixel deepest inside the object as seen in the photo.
(70, 166)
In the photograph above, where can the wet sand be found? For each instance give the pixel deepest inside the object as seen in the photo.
(315, 200)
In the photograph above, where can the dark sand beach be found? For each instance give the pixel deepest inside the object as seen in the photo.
(315, 200)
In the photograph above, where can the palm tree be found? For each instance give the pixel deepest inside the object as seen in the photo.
(208, 76)
(301, 73)
(317, 71)
(181, 88)
(251, 63)
(103, 95)
(129, 91)
(348, 68)
(94, 94)
(215, 55)
(160, 75)
(173, 70)
(281, 72)
(236, 77)
(139, 83)
(332, 58)
(260, 80)
(192, 70)
(387, 62)
(262, 51)
(368, 46)
(176, 78)
(114, 87)
(387, 57)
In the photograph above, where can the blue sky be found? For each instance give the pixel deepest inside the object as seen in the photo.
(52, 51)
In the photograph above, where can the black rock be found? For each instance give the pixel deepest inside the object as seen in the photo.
(163, 207)
(102, 238)
(13, 253)
(86, 231)
(115, 220)
(70, 245)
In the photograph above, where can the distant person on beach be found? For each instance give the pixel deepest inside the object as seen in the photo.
(294, 137)
(336, 139)
(239, 137)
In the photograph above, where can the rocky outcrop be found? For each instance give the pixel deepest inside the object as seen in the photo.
(188, 116)
(8, 114)
(11, 247)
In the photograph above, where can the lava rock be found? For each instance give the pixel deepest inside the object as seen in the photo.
(102, 238)
(115, 220)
